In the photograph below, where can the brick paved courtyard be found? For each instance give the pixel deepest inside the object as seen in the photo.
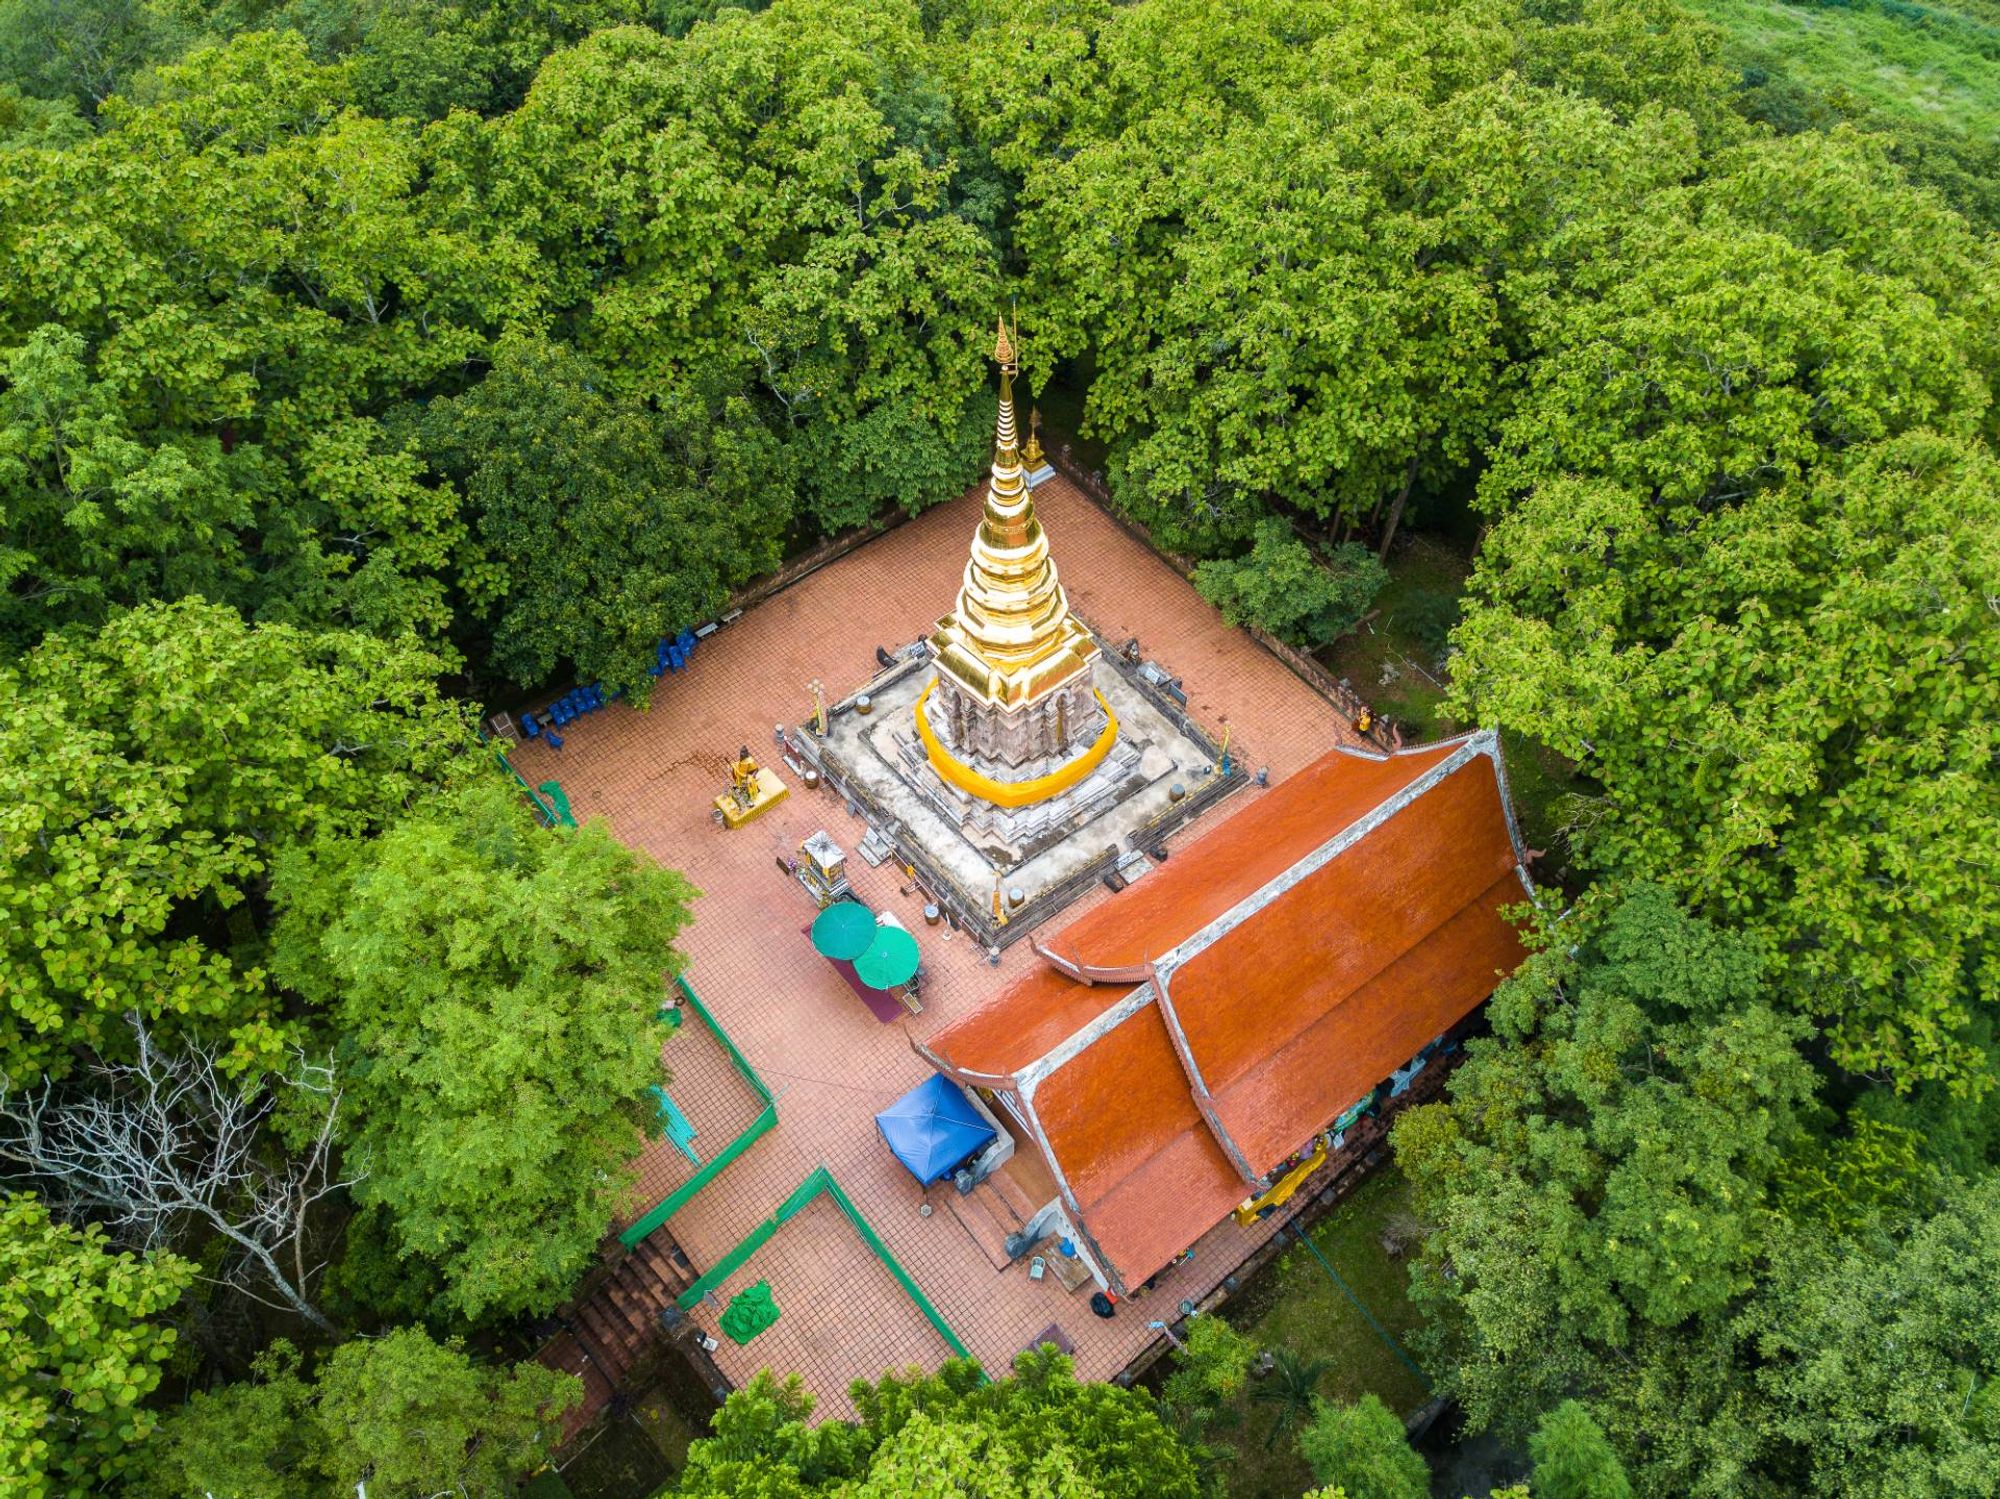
(831, 1064)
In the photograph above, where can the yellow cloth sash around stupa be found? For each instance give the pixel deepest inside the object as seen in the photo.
(1015, 793)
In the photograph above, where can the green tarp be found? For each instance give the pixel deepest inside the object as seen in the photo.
(750, 1312)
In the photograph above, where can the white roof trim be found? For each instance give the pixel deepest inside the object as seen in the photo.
(1198, 1086)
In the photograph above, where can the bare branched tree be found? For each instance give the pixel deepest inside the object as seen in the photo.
(167, 1144)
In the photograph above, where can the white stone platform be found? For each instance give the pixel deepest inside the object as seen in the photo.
(1050, 851)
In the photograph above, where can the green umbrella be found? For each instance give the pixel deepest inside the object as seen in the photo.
(890, 960)
(843, 930)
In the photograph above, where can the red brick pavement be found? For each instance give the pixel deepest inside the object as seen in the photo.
(839, 1307)
(652, 776)
(715, 1097)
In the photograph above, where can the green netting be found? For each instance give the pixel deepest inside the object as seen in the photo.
(559, 800)
(550, 804)
(680, 1130)
(821, 1180)
(678, 1199)
(749, 1313)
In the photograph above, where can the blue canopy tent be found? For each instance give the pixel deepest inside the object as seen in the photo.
(934, 1127)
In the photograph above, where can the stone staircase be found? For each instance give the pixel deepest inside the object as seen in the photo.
(615, 1320)
(990, 1212)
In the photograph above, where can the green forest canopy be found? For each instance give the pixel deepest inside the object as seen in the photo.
(363, 360)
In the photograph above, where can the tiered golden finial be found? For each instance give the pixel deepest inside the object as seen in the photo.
(1014, 716)
(1012, 637)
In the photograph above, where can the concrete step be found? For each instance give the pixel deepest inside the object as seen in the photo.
(565, 1355)
(1012, 1193)
(606, 1339)
(988, 1219)
(634, 1308)
(653, 1266)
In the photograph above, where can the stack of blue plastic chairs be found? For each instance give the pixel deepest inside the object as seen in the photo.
(577, 702)
(570, 706)
(672, 655)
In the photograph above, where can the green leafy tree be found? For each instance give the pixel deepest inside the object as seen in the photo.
(1283, 588)
(1633, 57)
(602, 525)
(1958, 1135)
(1277, 234)
(1211, 1368)
(256, 1439)
(26, 121)
(421, 59)
(774, 204)
(1785, 702)
(1879, 1356)
(1573, 1457)
(151, 771)
(403, 1414)
(96, 516)
(1602, 1185)
(1746, 537)
(1361, 1450)
(1038, 1432)
(78, 1354)
(496, 987)
(247, 276)
(82, 50)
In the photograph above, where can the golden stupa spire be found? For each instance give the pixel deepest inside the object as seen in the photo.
(1011, 638)
(1006, 455)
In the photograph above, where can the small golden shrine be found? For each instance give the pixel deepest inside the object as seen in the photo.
(752, 792)
(1013, 715)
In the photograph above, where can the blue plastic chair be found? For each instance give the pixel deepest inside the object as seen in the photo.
(529, 728)
(555, 740)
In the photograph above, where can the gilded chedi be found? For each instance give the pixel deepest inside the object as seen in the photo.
(1013, 715)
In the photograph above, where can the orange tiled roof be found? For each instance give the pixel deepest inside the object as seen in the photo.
(1237, 859)
(1251, 989)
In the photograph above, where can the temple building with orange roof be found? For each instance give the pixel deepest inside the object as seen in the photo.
(1142, 1000)
(1182, 1051)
